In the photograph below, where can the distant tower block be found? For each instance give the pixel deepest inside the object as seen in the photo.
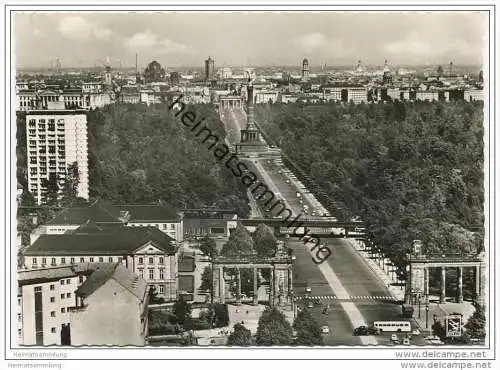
(209, 69)
(107, 75)
(305, 70)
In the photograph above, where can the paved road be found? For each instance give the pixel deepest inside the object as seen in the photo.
(355, 276)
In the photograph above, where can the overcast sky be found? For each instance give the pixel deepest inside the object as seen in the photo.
(175, 39)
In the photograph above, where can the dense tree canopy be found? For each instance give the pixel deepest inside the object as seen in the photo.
(308, 330)
(476, 325)
(273, 329)
(181, 310)
(240, 243)
(409, 170)
(208, 246)
(264, 240)
(141, 154)
(240, 336)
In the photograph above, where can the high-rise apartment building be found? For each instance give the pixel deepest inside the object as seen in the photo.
(305, 70)
(56, 140)
(209, 69)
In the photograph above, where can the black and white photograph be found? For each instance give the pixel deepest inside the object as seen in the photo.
(249, 182)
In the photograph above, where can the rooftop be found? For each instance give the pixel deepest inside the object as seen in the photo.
(92, 240)
(45, 275)
(99, 212)
(150, 212)
(117, 272)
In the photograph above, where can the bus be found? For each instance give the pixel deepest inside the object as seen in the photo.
(387, 326)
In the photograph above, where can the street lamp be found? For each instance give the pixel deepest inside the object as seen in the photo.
(419, 299)
(427, 315)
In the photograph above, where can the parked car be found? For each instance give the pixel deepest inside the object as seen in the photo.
(406, 342)
(365, 330)
(310, 304)
(308, 289)
(394, 337)
(415, 332)
(325, 330)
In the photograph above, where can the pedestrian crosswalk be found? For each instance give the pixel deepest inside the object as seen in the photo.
(350, 298)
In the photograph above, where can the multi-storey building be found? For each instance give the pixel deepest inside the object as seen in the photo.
(91, 96)
(92, 87)
(357, 94)
(161, 216)
(146, 251)
(81, 304)
(470, 95)
(209, 69)
(56, 140)
(44, 299)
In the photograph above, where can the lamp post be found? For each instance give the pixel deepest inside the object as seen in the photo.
(419, 299)
(427, 315)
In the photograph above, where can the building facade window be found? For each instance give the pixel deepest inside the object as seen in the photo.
(68, 295)
(141, 273)
(151, 260)
(52, 313)
(52, 299)
(101, 259)
(53, 261)
(161, 260)
(82, 259)
(110, 259)
(52, 286)
(80, 279)
(141, 260)
(63, 310)
(34, 261)
(162, 289)
(62, 296)
(91, 259)
(52, 330)
(72, 260)
(151, 274)
(68, 281)
(162, 274)
(62, 282)
(63, 260)
(44, 261)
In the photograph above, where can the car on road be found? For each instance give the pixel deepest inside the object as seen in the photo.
(415, 332)
(435, 342)
(365, 330)
(287, 181)
(394, 338)
(310, 304)
(406, 341)
(325, 329)
(308, 289)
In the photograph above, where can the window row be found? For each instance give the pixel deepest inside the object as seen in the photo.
(71, 260)
(151, 260)
(151, 274)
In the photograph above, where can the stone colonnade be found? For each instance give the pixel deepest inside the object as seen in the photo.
(419, 279)
(280, 282)
(227, 103)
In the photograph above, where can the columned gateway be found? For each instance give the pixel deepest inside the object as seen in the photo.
(279, 283)
(230, 102)
(419, 265)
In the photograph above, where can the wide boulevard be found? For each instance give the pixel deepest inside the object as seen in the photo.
(345, 285)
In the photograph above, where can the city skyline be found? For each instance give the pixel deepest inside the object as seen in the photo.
(238, 39)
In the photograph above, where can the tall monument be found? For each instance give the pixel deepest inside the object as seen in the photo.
(250, 140)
